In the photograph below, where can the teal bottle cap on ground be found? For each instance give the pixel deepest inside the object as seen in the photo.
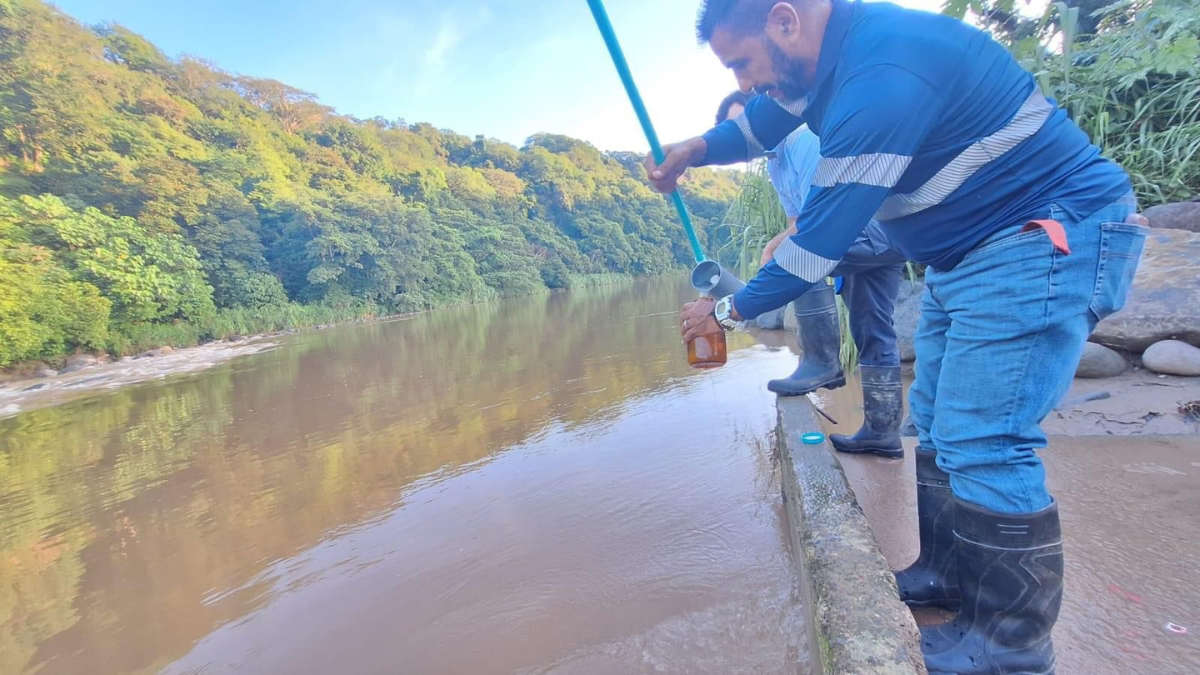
(812, 439)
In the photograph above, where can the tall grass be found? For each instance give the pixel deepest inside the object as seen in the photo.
(848, 351)
(754, 218)
(1134, 87)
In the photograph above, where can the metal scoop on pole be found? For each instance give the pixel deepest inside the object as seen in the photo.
(708, 277)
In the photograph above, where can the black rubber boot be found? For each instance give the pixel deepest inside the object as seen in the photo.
(932, 581)
(820, 338)
(882, 409)
(1010, 568)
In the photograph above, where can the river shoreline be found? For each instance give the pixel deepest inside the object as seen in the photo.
(23, 395)
(26, 376)
(1136, 403)
(22, 389)
(22, 392)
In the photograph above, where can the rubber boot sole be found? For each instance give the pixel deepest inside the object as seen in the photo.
(948, 604)
(1051, 671)
(878, 452)
(886, 453)
(781, 388)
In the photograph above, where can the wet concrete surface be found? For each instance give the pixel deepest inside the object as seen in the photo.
(1131, 523)
(858, 623)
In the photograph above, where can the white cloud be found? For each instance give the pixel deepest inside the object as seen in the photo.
(439, 58)
(447, 38)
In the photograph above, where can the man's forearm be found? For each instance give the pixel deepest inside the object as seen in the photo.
(771, 288)
(762, 126)
(724, 144)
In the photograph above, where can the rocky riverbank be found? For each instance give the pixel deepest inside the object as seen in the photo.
(39, 385)
(1160, 322)
(85, 374)
(1140, 373)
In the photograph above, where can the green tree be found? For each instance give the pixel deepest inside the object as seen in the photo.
(43, 311)
(197, 202)
(147, 276)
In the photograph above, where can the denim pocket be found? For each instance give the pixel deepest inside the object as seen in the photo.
(1120, 251)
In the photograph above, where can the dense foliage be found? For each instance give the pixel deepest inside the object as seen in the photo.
(1134, 86)
(1128, 72)
(145, 199)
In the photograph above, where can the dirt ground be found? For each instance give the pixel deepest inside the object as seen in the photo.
(1140, 403)
(1126, 472)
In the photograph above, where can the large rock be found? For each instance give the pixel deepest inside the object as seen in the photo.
(161, 351)
(1172, 357)
(79, 362)
(1100, 361)
(789, 320)
(1164, 303)
(1181, 216)
(906, 317)
(772, 320)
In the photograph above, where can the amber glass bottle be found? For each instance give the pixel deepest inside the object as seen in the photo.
(708, 351)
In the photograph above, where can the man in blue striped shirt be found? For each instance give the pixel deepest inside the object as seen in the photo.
(930, 126)
(871, 271)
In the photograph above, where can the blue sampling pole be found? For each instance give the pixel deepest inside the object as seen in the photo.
(618, 58)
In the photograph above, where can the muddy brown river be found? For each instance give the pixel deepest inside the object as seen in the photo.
(534, 486)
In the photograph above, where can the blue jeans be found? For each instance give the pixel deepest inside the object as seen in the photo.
(872, 271)
(1007, 326)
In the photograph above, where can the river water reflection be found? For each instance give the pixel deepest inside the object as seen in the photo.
(534, 486)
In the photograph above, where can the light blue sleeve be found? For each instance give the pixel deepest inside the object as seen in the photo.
(783, 187)
(792, 173)
(804, 154)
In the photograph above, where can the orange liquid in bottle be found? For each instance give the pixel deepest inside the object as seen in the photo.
(708, 351)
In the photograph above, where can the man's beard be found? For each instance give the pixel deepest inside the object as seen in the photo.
(789, 73)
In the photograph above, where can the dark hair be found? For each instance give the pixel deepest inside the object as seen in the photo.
(744, 16)
(736, 98)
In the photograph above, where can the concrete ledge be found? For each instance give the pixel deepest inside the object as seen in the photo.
(859, 624)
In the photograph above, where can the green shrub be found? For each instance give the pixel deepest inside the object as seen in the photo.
(43, 313)
(1133, 85)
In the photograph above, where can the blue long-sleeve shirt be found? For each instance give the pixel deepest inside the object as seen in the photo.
(927, 125)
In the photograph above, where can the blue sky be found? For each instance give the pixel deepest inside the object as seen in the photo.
(503, 68)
